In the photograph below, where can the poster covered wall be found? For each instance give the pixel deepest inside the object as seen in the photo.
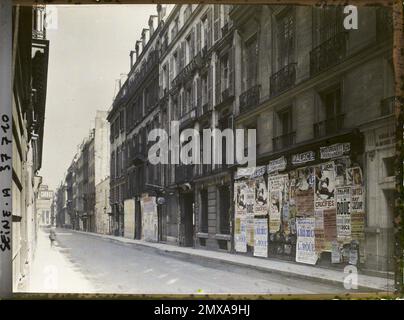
(149, 218)
(261, 237)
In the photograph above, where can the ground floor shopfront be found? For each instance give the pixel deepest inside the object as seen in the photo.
(327, 203)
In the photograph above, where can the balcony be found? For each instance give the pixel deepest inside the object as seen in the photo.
(284, 141)
(187, 71)
(283, 79)
(188, 118)
(328, 54)
(184, 173)
(225, 29)
(203, 109)
(139, 154)
(329, 126)
(387, 106)
(249, 98)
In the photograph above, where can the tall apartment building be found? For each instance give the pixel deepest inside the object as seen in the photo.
(76, 196)
(44, 202)
(29, 79)
(320, 98)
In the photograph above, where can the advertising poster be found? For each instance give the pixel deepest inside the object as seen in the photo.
(343, 213)
(149, 219)
(304, 157)
(240, 201)
(303, 192)
(276, 186)
(261, 197)
(276, 165)
(305, 246)
(357, 199)
(250, 230)
(261, 237)
(330, 227)
(341, 165)
(354, 176)
(335, 252)
(324, 197)
(358, 225)
(319, 230)
(249, 193)
(335, 150)
(240, 236)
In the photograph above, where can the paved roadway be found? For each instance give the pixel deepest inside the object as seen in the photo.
(114, 267)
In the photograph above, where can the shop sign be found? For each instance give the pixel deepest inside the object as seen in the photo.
(335, 150)
(304, 157)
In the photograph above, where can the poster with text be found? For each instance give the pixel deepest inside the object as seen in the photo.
(250, 229)
(341, 165)
(305, 246)
(330, 227)
(240, 201)
(149, 219)
(357, 199)
(319, 230)
(240, 234)
(324, 197)
(276, 186)
(343, 213)
(261, 237)
(261, 197)
(354, 176)
(303, 192)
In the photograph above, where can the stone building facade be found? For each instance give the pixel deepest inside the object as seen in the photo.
(320, 99)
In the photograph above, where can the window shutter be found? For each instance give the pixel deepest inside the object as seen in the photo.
(217, 82)
(216, 16)
(192, 45)
(198, 37)
(182, 56)
(184, 103)
(231, 71)
(171, 68)
(210, 84)
(209, 28)
(192, 95)
(199, 92)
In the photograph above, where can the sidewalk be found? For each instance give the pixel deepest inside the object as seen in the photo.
(281, 267)
(52, 272)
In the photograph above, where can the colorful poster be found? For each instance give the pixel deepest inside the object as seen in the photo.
(249, 193)
(149, 218)
(358, 225)
(261, 237)
(303, 192)
(354, 176)
(357, 199)
(343, 213)
(324, 197)
(240, 236)
(330, 227)
(335, 150)
(305, 246)
(261, 197)
(319, 230)
(276, 186)
(240, 202)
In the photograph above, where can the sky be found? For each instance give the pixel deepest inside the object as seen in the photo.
(89, 50)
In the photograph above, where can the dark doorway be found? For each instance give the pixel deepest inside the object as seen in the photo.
(138, 221)
(188, 218)
(224, 222)
(162, 222)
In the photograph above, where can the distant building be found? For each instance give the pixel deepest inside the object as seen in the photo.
(102, 208)
(44, 202)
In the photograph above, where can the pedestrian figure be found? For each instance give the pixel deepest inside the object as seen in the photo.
(52, 237)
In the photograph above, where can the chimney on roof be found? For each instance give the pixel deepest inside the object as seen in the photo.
(161, 12)
(145, 36)
(131, 58)
(138, 48)
(153, 24)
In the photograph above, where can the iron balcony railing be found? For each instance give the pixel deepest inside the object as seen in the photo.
(203, 109)
(328, 54)
(225, 29)
(329, 126)
(188, 118)
(249, 98)
(284, 141)
(283, 79)
(387, 106)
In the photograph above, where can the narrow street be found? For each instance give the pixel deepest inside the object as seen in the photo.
(93, 264)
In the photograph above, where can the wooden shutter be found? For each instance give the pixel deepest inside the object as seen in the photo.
(192, 44)
(216, 17)
(209, 28)
(170, 70)
(210, 85)
(231, 71)
(217, 81)
(199, 92)
(198, 37)
(182, 56)
(192, 95)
